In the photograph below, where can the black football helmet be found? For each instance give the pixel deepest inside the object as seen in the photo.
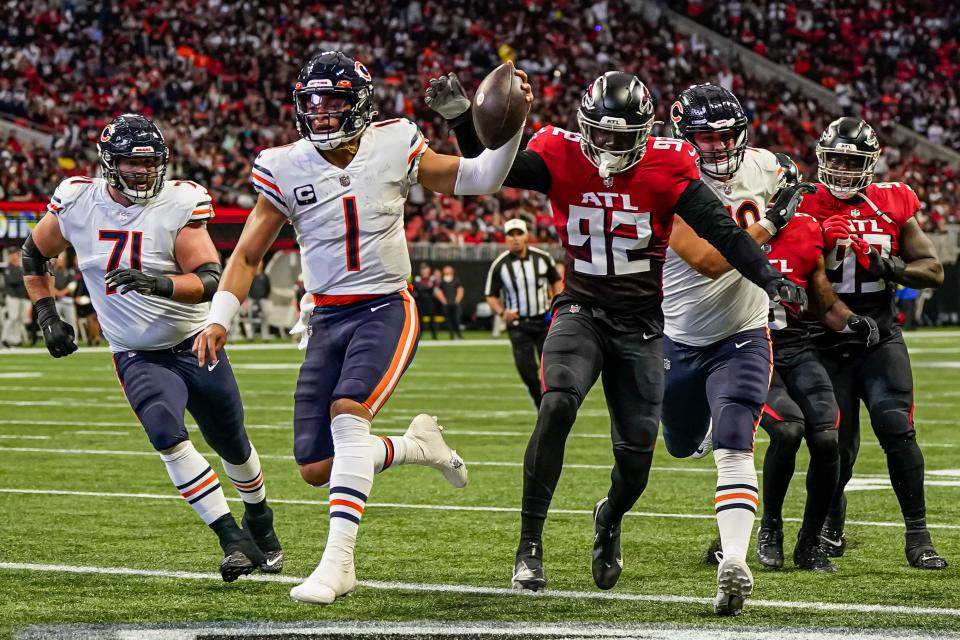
(333, 85)
(133, 137)
(847, 155)
(707, 108)
(615, 118)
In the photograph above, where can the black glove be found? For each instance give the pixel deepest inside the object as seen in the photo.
(446, 96)
(57, 334)
(783, 208)
(145, 285)
(783, 290)
(889, 268)
(866, 327)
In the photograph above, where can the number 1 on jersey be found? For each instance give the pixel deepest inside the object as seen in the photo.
(119, 240)
(353, 233)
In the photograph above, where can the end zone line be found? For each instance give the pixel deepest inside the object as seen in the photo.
(496, 591)
(431, 507)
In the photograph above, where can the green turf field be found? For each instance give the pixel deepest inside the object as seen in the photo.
(72, 457)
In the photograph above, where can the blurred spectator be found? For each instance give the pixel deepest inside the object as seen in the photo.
(424, 284)
(89, 324)
(64, 286)
(17, 307)
(449, 292)
(259, 314)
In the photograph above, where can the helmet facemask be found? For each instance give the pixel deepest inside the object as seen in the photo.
(141, 179)
(612, 145)
(846, 172)
(330, 117)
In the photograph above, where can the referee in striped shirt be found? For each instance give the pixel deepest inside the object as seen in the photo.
(520, 286)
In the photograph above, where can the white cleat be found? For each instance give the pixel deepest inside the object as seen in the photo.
(330, 580)
(428, 435)
(734, 585)
(706, 446)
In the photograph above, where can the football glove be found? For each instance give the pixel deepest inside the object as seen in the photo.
(783, 290)
(446, 96)
(57, 334)
(889, 268)
(835, 228)
(783, 208)
(128, 280)
(865, 327)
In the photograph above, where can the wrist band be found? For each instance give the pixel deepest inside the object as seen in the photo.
(223, 309)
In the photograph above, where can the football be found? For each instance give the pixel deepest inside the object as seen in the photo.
(499, 107)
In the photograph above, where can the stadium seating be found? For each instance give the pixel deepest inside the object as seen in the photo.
(218, 108)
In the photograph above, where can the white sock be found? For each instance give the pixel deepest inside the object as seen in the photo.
(736, 500)
(392, 451)
(350, 481)
(196, 481)
(247, 477)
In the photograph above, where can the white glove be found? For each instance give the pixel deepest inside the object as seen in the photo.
(303, 322)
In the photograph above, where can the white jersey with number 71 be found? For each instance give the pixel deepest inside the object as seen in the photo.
(349, 222)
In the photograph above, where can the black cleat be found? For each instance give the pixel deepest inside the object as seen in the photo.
(809, 555)
(833, 541)
(770, 547)
(261, 530)
(240, 555)
(528, 571)
(607, 559)
(714, 553)
(920, 551)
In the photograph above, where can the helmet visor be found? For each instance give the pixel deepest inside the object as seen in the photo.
(324, 112)
(616, 146)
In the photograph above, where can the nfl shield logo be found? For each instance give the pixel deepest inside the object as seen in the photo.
(574, 308)
(766, 248)
(855, 213)
(345, 181)
(666, 364)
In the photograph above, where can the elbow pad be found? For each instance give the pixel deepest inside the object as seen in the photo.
(486, 173)
(209, 275)
(33, 262)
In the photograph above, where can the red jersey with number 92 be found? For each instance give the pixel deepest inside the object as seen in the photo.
(616, 233)
(878, 219)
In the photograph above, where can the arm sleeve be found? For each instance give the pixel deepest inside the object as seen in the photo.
(528, 171)
(705, 214)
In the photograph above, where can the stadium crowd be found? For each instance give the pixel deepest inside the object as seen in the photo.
(882, 54)
(67, 70)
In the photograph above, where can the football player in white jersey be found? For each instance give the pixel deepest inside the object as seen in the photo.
(150, 266)
(717, 351)
(343, 187)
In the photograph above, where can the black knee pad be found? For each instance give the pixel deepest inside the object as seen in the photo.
(163, 428)
(234, 448)
(558, 407)
(786, 435)
(891, 422)
(823, 445)
(560, 377)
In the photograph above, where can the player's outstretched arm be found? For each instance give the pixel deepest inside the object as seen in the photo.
(446, 96)
(262, 227)
(833, 312)
(198, 260)
(705, 214)
(45, 241)
(700, 255)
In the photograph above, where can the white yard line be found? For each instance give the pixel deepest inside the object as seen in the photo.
(430, 507)
(840, 607)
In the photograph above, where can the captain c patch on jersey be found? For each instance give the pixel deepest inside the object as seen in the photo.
(305, 194)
